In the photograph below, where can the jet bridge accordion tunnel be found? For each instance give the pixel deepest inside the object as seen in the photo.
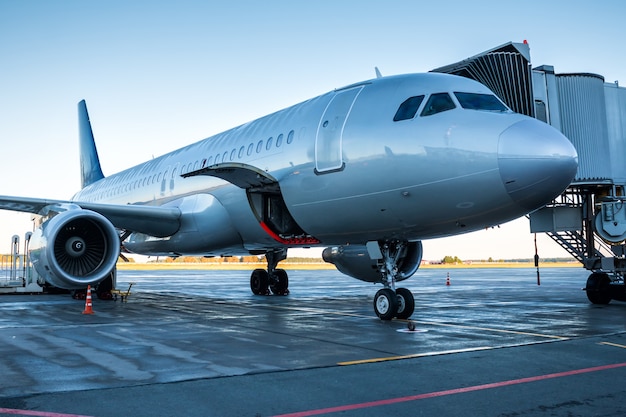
(589, 219)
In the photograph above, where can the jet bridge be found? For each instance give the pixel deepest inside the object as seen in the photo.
(589, 219)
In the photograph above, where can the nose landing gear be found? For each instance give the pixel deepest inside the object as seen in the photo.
(390, 302)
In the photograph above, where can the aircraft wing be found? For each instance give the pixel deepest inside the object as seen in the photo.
(151, 220)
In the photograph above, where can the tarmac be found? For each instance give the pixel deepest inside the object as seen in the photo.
(197, 343)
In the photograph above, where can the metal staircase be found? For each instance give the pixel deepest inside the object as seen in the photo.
(575, 243)
(581, 241)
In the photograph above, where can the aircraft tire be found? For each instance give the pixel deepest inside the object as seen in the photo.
(259, 281)
(385, 304)
(281, 287)
(103, 291)
(598, 288)
(406, 303)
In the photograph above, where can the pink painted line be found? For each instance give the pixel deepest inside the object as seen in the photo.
(379, 403)
(36, 413)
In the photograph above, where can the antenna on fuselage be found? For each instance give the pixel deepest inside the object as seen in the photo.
(378, 74)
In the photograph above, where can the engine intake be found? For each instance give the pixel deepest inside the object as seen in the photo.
(354, 260)
(75, 248)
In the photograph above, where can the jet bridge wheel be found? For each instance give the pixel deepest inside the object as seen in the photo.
(281, 286)
(598, 288)
(259, 282)
(385, 304)
(406, 303)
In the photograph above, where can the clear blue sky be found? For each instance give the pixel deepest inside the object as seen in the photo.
(158, 75)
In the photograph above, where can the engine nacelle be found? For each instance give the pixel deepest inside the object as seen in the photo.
(354, 260)
(75, 248)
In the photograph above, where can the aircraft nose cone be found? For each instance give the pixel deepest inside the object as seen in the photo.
(536, 162)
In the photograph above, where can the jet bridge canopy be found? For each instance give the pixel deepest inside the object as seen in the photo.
(505, 70)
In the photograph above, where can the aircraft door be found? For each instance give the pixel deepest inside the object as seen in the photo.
(328, 151)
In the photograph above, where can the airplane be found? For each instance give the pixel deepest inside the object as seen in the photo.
(367, 171)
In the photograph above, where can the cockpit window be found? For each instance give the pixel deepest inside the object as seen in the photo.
(408, 108)
(488, 102)
(438, 103)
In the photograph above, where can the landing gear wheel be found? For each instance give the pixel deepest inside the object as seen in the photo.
(385, 304)
(406, 303)
(79, 294)
(259, 281)
(599, 288)
(281, 286)
(103, 291)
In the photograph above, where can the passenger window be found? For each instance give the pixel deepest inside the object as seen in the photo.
(438, 103)
(488, 102)
(408, 108)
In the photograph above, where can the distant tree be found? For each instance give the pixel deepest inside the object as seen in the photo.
(250, 259)
(451, 260)
(231, 259)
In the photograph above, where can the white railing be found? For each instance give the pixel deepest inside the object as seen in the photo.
(12, 270)
(16, 269)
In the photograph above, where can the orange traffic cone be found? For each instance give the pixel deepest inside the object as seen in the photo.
(448, 280)
(88, 309)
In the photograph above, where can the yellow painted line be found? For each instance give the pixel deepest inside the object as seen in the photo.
(612, 344)
(489, 329)
(416, 355)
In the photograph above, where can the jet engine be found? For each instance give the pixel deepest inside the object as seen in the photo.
(75, 248)
(354, 260)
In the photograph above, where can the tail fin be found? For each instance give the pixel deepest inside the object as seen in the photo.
(90, 170)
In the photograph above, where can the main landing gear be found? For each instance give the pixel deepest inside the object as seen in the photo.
(390, 301)
(275, 280)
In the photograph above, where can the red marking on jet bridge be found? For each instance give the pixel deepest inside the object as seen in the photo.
(390, 401)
